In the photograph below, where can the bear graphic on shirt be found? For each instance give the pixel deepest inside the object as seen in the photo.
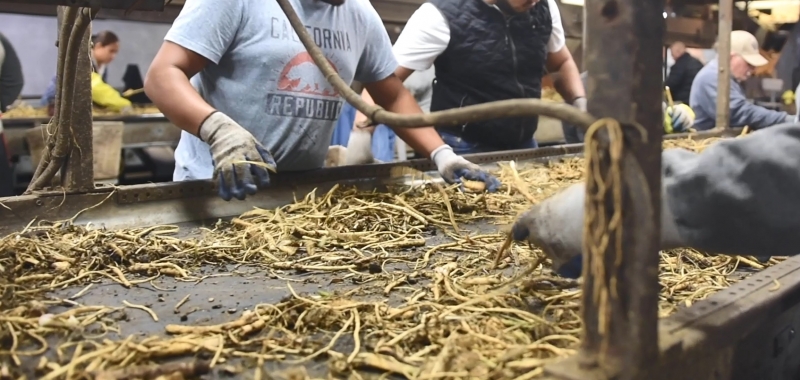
(303, 92)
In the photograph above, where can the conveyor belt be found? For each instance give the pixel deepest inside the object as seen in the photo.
(725, 318)
(177, 202)
(29, 121)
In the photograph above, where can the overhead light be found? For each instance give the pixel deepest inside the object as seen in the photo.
(665, 14)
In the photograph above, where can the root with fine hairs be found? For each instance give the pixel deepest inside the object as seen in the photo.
(60, 134)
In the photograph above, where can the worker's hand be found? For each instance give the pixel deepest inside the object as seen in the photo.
(127, 110)
(337, 155)
(359, 148)
(678, 119)
(453, 168)
(556, 226)
(580, 103)
(240, 162)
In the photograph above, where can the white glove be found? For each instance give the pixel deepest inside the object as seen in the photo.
(127, 110)
(453, 167)
(359, 148)
(556, 226)
(337, 155)
(231, 145)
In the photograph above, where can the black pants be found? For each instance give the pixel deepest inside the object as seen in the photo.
(6, 182)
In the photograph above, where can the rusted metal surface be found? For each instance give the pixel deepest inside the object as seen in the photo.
(623, 54)
(746, 331)
(724, 58)
(78, 171)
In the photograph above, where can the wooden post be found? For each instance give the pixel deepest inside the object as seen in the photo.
(624, 51)
(78, 173)
(725, 21)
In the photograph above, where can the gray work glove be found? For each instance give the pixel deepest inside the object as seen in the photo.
(453, 167)
(231, 146)
(556, 226)
(127, 110)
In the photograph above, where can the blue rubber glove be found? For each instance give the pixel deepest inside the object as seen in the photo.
(453, 167)
(241, 164)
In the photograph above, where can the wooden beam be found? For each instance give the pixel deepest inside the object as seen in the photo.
(167, 16)
(391, 11)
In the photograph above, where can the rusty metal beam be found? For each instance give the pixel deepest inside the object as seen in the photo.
(724, 59)
(623, 55)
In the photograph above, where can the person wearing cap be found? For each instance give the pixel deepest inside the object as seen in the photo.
(484, 51)
(745, 57)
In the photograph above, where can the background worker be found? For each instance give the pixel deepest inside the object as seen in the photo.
(682, 73)
(256, 98)
(745, 57)
(737, 197)
(105, 46)
(11, 83)
(678, 118)
(489, 50)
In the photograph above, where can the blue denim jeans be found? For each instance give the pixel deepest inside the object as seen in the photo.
(460, 146)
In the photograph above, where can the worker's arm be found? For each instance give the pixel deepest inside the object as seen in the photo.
(106, 96)
(745, 113)
(561, 65)
(200, 36)
(167, 85)
(738, 197)
(422, 40)
(376, 70)
(567, 79)
(394, 97)
(391, 95)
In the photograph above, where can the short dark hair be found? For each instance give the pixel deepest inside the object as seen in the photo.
(104, 38)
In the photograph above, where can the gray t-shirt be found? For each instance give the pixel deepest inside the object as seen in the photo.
(262, 77)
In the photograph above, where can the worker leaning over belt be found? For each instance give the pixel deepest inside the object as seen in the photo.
(489, 50)
(105, 46)
(737, 197)
(745, 57)
(11, 83)
(255, 92)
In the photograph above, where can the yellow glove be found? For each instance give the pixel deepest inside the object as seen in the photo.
(678, 119)
(788, 97)
(106, 96)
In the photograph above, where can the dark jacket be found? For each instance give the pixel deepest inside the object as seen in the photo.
(491, 57)
(11, 79)
(681, 76)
